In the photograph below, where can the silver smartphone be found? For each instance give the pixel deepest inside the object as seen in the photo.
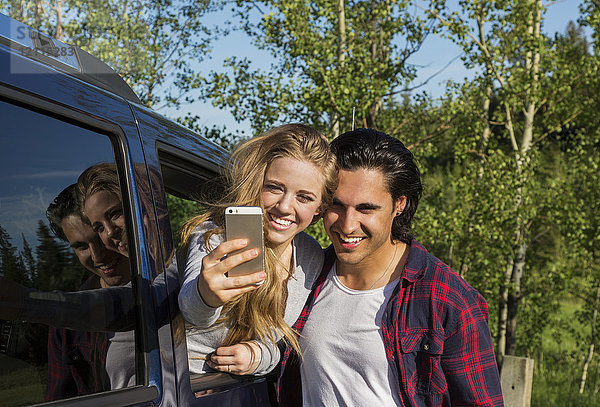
(246, 222)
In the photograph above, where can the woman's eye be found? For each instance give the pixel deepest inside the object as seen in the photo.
(305, 198)
(115, 214)
(272, 187)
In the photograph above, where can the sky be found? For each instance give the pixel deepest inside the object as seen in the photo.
(40, 156)
(432, 57)
(28, 185)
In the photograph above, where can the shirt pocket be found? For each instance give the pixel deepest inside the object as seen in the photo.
(74, 355)
(421, 356)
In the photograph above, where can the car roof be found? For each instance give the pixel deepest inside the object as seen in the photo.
(64, 57)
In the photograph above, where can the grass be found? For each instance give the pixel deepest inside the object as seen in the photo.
(558, 367)
(20, 383)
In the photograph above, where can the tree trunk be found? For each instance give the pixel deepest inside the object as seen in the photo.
(335, 117)
(59, 28)
(374, 112)
(521, 155)
(514, 298)
(590, 354)
(39, 15)
(503, 314)
(21, 15)
(597, 386)
(376, 55)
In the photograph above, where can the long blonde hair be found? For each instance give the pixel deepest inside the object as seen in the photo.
(259, 313)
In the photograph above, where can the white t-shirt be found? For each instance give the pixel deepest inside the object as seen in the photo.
(120, 359)
(344, 361)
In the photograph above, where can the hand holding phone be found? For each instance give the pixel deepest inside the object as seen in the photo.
(214, 285)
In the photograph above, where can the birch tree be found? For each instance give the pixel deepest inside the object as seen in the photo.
(516, 100)
(328, 57)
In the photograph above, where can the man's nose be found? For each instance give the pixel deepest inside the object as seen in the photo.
(348, 222)
(97, 252)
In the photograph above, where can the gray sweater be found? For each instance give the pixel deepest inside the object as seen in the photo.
(205, 337)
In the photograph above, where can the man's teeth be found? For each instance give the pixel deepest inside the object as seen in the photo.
(351, 239)
(282, 222)
(108, 267)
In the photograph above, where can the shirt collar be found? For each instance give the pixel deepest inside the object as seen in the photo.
(416, 263)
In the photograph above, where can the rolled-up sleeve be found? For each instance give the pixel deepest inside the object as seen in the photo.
(468, 359)
(193, 308)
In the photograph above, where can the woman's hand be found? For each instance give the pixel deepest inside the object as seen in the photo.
(213, 284)
(241, 359)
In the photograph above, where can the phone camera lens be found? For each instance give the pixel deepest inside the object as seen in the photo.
(231, 211)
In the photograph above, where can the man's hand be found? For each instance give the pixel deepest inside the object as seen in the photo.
(11, 299)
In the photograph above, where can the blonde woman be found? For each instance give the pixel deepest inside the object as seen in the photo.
(291, 174)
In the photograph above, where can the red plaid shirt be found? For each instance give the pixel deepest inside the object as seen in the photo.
(76, 359)
(436, 337)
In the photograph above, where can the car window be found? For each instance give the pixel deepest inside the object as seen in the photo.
(67, 320)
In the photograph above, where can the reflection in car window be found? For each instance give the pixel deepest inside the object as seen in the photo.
(63, 267)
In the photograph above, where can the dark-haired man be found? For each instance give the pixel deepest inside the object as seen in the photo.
(387, 323)
(76, 359)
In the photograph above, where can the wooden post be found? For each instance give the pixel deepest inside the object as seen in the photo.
(516, 379)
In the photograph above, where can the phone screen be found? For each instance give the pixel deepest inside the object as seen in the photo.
(246, 222)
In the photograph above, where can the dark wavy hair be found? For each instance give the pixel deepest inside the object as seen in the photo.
(375, 150)
(65, 204)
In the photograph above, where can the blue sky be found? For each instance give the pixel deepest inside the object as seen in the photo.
(40, 156)
(433, 56)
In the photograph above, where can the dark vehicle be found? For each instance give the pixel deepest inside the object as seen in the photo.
(65, 113)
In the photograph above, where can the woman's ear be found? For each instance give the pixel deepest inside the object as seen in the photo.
(316, 216)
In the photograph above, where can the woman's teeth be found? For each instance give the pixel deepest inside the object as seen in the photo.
(282, 222)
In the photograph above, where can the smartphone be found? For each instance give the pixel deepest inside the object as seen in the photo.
(246, 222)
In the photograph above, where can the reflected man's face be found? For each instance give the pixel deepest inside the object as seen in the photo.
(110, 266)
(105, 212)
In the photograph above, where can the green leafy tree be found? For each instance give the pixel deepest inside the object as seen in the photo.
(180, 211)
(57, 269)
(11, 267)
(329, 57)
(28, 260)
(522, 94)
(155, 46)
(581, 194)
(151, 44)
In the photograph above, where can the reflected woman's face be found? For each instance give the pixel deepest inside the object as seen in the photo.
(105, 213)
